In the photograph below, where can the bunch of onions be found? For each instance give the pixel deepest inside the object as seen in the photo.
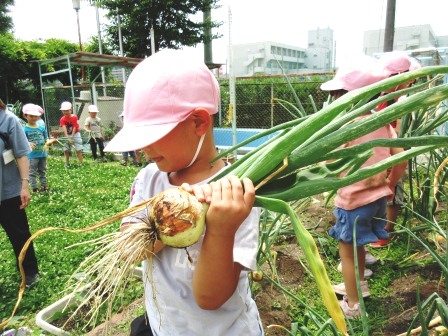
(291, 166)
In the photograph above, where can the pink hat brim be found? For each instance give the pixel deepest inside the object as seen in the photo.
(136, 137)
(332, 85)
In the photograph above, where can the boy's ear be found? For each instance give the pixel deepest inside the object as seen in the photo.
(202, 120)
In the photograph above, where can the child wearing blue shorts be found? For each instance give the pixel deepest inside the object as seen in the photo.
(362, 205)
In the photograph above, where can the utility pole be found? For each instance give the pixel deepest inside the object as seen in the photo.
(207, 18)
(390, 26)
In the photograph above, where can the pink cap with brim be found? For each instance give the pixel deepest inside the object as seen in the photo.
(161, 92)
(355, 76)
(395, 62)
(40, 109)
(31, 109)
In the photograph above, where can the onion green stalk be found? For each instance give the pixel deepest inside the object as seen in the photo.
(291, 166)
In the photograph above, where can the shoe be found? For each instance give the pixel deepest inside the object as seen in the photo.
(370, 259)
(123, 163)
(31, 280)
(67, 164)
(44, 189)
(35, 190)
(380, 243)
(340, 289)
(367, 272)
(96, 160)
(350, 313)
(137, 164)
(103, 159)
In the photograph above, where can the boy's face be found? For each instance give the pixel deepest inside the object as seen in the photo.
(31, 118)
(93, 114)
(66, 112)
(176, 149)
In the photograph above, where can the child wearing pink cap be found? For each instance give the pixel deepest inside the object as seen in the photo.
(169, 103)
(361, 205)
(395, 63)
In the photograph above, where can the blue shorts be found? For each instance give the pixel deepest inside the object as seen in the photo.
(370, 220)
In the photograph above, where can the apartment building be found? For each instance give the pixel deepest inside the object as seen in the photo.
(269, 58)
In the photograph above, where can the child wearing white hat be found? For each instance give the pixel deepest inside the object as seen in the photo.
(96, 136)
(70, 127)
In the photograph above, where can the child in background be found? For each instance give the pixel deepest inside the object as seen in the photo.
(136, 158)
(394, 63)
(362, 204)
(70, 127)
(41, 121)
(25, 108)
(169, 103)
(37, 137)
(96, 137)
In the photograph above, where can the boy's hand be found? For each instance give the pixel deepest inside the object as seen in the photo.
(32, 145)
(50, 141)
(230, 203)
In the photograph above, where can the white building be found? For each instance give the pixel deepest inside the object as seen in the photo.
(269, 58)
(418, 41)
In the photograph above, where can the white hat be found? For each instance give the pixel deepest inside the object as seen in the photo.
(66, 106)
(40, 109)
(31, 109)
(93, 108)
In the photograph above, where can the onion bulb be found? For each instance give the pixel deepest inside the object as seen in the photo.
(178, 217)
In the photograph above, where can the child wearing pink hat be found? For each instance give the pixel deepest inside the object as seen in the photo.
(361, 205)
(169, 105)
(394, 63)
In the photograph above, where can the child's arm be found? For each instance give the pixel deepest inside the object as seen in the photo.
(75, 125)
(216, 274)
(397, 171)
(87, 126)
(64, 129)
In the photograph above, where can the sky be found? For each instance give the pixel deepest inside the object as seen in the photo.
(248, 21)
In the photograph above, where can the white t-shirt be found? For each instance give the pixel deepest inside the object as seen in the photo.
(95, 126)
(169, 299)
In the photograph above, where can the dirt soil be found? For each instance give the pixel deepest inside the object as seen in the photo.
(271, 302)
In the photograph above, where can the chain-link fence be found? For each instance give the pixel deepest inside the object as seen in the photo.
(260, 103)
(109, 101)
(263, 105)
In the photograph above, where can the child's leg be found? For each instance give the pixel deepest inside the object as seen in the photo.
(125, 155)
(67, 156)
(348, 270)
(33, 173)
(42, 170)
(77, 142)
(101, 147)
(92, 142)
(79, 154)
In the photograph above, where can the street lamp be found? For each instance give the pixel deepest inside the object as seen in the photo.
(77, 7)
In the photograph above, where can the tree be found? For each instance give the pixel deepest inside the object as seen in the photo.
(6, 24)
(19, 72)
(171, 20)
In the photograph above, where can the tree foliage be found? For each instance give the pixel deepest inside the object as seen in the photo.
(19, 70)
(6, 24)
(173, 23)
